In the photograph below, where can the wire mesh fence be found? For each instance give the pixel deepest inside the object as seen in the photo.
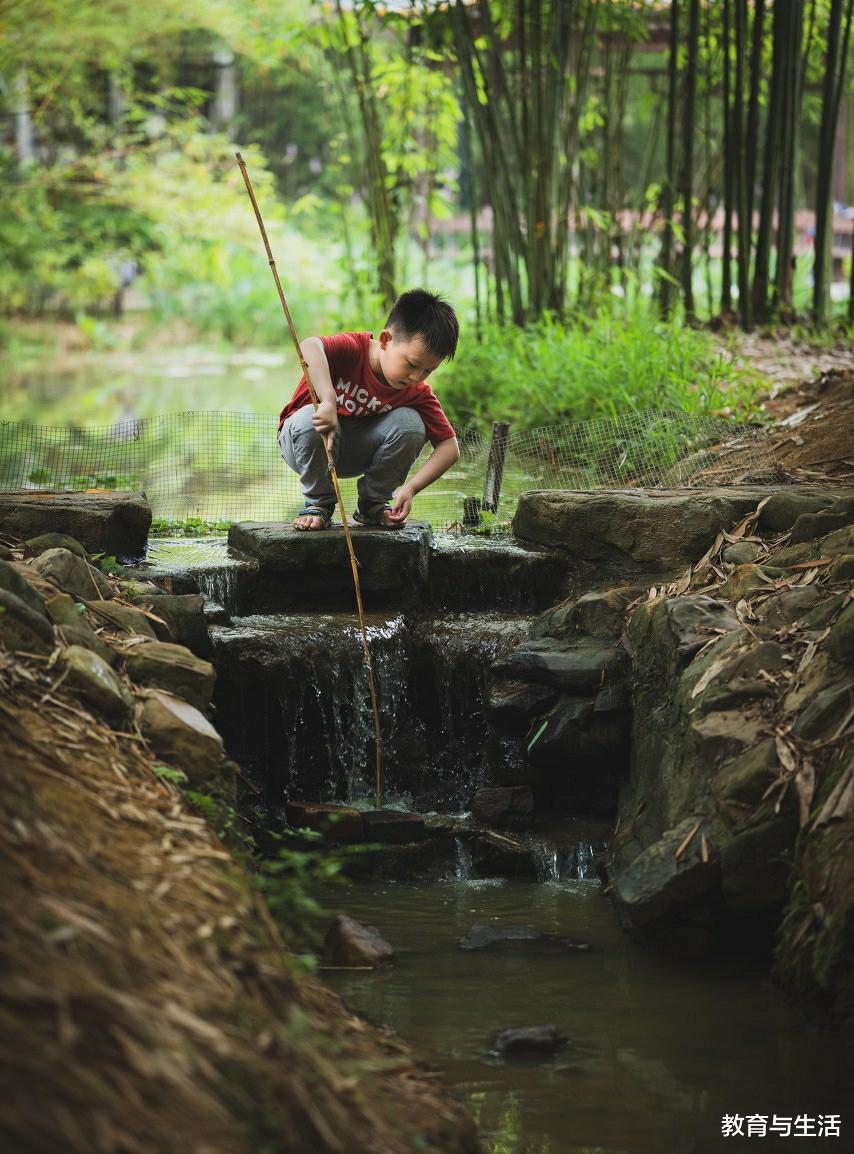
(209, 469)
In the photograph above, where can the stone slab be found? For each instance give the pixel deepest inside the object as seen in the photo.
(392, 827)
(298, 569)
(115, 523)
(651, 530)
(335, 822)
(472, 573)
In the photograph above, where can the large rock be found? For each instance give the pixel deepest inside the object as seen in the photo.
(113, 523)
(809, 526)
(182, 736)
(298, 569)
(38, 545)
(657, 531)
(123, 617)
(183, 615)
(510, 807)
(160, 665)
(72, 574)
(782, 509)
(72, 627)
(599, 614)
(480, 573)
(14, 580)
(90, 676)
(513, 703)
(22, 628)
(658, 884)
(349, 943)
(583, 665)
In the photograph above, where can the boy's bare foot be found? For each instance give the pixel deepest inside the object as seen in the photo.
(313, 517)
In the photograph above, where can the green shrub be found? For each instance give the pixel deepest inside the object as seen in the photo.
(602, 366)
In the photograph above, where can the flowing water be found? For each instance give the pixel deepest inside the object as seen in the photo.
(659, 1049)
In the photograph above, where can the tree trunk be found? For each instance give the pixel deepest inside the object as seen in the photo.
(729, 164)
(762, 270)
(832, 87)
(668, 197)
(687, 182)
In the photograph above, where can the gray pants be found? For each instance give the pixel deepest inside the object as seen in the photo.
(380, 451)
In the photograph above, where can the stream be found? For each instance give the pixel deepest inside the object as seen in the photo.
(659, 1049)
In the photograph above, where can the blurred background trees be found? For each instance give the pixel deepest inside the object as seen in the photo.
(538, 160)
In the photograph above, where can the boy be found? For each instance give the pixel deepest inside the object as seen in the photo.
(376, 411)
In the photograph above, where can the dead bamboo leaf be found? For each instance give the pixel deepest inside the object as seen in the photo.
(687, 841)
(809, 564)
(840, 801)
(786, 754)
(805, 785)
(704, 847)
(710, 674)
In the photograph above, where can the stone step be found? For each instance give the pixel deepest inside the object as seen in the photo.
(115, 523)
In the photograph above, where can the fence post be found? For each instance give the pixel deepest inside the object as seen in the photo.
(495, 466)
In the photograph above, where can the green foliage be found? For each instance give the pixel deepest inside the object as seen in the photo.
(605, 365)
(167, 773)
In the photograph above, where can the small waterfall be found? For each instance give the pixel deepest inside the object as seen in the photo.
(547, 861)
(462, 860)
(219, 585)
(579, 863)
(292, 699)
(567, 863)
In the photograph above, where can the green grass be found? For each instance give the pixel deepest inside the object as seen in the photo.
(605, 366)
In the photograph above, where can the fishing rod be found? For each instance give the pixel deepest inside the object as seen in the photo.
(354, 564)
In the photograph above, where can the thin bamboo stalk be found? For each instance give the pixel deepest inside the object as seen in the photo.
(354, 564)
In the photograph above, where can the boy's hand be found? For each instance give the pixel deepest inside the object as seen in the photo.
(402, 506)
(325, 420)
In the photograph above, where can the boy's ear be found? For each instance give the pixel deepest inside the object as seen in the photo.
(385, 338)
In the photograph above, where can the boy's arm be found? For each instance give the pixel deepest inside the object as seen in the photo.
(446, 454)
(325, 418)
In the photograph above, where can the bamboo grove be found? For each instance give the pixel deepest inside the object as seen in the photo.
(544, 87)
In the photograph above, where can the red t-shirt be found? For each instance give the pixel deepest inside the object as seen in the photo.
(360, 393)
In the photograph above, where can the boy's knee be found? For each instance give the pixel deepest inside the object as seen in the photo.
(406, 425)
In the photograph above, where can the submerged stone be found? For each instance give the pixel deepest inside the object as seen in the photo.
(483, 937)
(528, 1041)
(349, 943)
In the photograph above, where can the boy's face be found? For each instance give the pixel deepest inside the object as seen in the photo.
(404, 360)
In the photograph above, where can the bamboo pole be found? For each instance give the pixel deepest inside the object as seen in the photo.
(354, 564)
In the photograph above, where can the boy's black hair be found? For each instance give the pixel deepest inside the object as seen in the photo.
(422, 314)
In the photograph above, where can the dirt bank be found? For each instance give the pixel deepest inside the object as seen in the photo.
(147, 1004)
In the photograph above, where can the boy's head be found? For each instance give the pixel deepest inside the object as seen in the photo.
(421, 332)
